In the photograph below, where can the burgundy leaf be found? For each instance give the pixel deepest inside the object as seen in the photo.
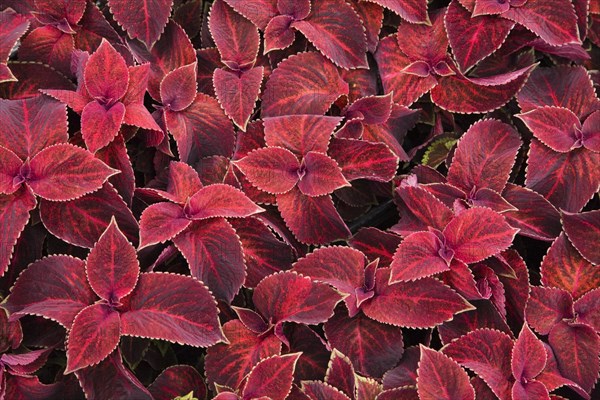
(419, 255)
(110, 378)
(178, 88)
(316, 390)
(587, 309)
(298, 299)
(300, 133)
(182, 183)
(272, 169)
(535, 216)
(14, 215)
(361, 159)
(591, 132)
(375, 243)
(112, 267)
(187, 315)
(228, 364)
(35, 291)
(414, 11)
(311, 219)
(15, 26)
(305, 83)
(221, 200)
(106, 74)
(442, 378)
(371, 15)
(337, 31)
(474, 38)
(33, 76)
(552, 378)
(487, 353)
(319, 175)
(556, 127)
(546, 307)
(528, 356)
(31, 125)
(142, 19)
(115, 156)
(554, 175)
(279, 34)
(20, 387)
(372, 347)
(583, 230)
(94, 335)
(404, 304)
(259, 12)
(297, 9)
(484, 156)
(101, 125)
(161, 222)
(237, 92)
(564, 268)
(177, 380)
(236, 38)
(340, 373)
(214, 255)
(49, 45)
(271, 377)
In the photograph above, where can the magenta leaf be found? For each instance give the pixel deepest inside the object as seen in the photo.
(101, 125)
(32, 125)
(272, 377)
(439, 377)
(14, 215)
(142, 19)
(221, 200)
(362, 159)
(414, 11)
(161, 222)
(237, 92)
(487, 353)
(214, 255)
(271, 169)
(320, 175)
(228, 364)
(373, 348)
(337, 31)
(484, 156)
(187, 316)
(404, 304)
(312, 219)
(300, 133)
(528, 356)
(419, 255)
(583, 230)
(112, 267)
(478, 233)
(106, 74)
(93, 336)
(15, 26)
(177, 380)
(298, 299)
(556, 127)
(178, 87)
(236, 38)
(563, 267)
(35, 291)
(259, 12)
(305, 83)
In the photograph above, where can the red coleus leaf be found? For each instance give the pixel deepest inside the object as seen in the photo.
(29, 387)
(178, 87)
(484, 156)
(14, 215)
(487, 353)
(279, 34)
(161, 222)
(371, 15)
(419, 255)
(586, 309)
(112, 267)
(228, 364)
(259, 12)
(142, 19)
(35, 291)
(375, 243)
(271, 169)
(50, 45)
(546, 307)
(237, 92)
(414, 11)
(583, 230)
(558, 128)
(361, 159)
(221, 200)
(563, 267)
(340, 373)
(528, 357)
(336, 30)
(316, 390)
(106, 75)
(236, 38)
(372, 347)
(177, 380)
(298, 299)
(403, 304)
(439, 377)
(272, 377)
(15, 26)
(305, 83)
(319, 175)
(93, 336)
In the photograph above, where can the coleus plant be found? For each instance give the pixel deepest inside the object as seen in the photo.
(275, 199)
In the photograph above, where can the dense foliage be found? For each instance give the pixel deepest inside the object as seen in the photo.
(299, 199)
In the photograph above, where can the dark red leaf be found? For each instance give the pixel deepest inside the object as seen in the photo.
(418, 256)
(591, 132)
(298, 299)
(33, 76)
(375, 243)
(442, 378)
(371, 15)
(552, 378)
(30, 388)
(106, 74)
(311, 219)
(404, 304)
(186, 315)
(228, 364)
(15, 26)
(340, 373)
(362, 159)
(305, 83)
(142, 19)
(176, 381)
(279, 34)
(35, 291)
(112, 267)
(320, 175)
(586, 309)
(271, 377)
(221, 200)
(14, 215)
(115, 156)
(316, 390)
(487, 353)
(93, 336)
(546, 307)
(161, 222)
(237, 92)
(178, 87)
(414, 11)
(528, 356)
(214, 255)
(372, 347)
(259, 12)
(31, 125)
(49, 45)
(405, 373)
(236, 38)
(271, 169)
(564, 268)
(583, 230)
(554, 126)
(336, 30)
(101, 125)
